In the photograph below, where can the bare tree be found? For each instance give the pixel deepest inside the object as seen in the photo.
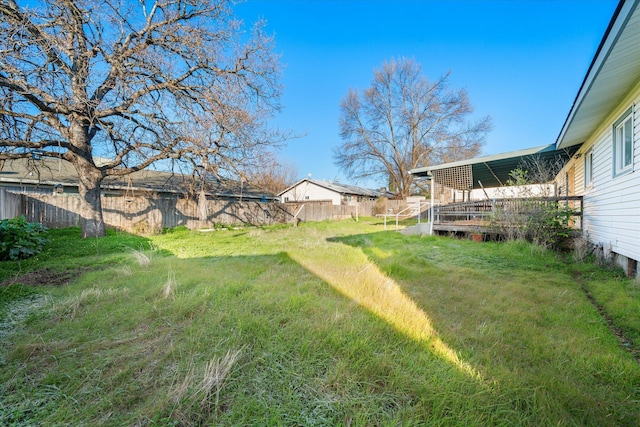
(273, 176)
(403, 121)
(137, 83)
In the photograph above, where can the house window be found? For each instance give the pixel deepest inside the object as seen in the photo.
(306, 197)
(623, 144)
(588, 168)
(286, 199)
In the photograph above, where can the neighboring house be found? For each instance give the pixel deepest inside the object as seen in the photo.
(340, 194)
(602, 136)
(48, 175)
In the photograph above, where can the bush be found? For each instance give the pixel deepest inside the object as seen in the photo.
(380, 207)
(21, 239)
(531, 217)
(535, 220)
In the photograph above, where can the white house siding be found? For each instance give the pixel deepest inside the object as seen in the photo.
(536, 190)
(611, 205)
(309, 191)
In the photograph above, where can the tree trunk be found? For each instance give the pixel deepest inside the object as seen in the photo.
(89, 180)
(91, 219)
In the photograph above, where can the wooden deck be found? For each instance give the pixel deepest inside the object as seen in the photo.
(484, 216)
(464, 226)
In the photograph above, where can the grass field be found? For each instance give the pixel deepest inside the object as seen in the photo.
(335, 323)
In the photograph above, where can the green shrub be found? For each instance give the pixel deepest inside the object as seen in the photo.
(534, 218)
(21, 239)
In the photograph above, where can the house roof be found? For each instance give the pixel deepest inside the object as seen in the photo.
(489, 171)
(48, 171)
(614, 70)
(341, 188)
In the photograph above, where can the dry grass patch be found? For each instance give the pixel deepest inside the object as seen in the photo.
(197, 396)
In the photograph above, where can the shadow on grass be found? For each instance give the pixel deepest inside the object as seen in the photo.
(307, 352)
(519, 318)
(68, 255)
(363, 282)
(371, 329)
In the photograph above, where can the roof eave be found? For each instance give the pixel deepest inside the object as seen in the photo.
(621, 16)
(424, 171)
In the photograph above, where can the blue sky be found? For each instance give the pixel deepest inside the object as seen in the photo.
(522, 62)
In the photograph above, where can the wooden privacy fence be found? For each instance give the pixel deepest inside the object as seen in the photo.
(323, 210)
(151, 214)
(142, 214)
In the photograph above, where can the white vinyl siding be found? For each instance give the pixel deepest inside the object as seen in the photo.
(306, 191)
(612, 203)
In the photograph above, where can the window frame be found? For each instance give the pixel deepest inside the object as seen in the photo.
(622, 138)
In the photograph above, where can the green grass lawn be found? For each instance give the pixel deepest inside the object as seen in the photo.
(334, 323)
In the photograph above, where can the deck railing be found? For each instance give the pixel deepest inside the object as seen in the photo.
(484, 213)
(413, 210)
